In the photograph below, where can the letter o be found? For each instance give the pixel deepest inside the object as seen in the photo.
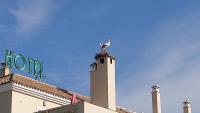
(19, 56)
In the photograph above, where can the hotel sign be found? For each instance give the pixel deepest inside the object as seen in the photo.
(22, 63)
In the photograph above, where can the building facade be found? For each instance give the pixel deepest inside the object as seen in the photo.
(21, 94)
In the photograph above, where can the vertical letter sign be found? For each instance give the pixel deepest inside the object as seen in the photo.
(22, 63)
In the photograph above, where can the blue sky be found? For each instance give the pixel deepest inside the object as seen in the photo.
(153, 41)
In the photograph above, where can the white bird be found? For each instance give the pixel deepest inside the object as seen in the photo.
(104, 46)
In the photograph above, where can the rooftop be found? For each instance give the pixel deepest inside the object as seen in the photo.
(35, 84)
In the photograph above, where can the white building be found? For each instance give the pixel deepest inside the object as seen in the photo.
(20, 94)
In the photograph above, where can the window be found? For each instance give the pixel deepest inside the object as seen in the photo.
(111, 60)
(102, 61)
(44, 103)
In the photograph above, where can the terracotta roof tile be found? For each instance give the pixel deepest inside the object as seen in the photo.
(5, 79)
(35, 84)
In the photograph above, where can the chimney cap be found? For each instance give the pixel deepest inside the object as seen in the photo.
(103, 54)
(186, 102)
(155, 86)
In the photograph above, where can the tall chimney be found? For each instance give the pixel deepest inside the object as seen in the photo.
(187, 107)
(156, 102)
(102, 78)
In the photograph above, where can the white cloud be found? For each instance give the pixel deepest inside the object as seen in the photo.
(176, 53)
(30, 15)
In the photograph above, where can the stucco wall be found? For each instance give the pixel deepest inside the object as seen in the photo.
(103, 84)
(5, 102)
(156, 102)
(22, 103)
(81, 107)
(91, 108)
